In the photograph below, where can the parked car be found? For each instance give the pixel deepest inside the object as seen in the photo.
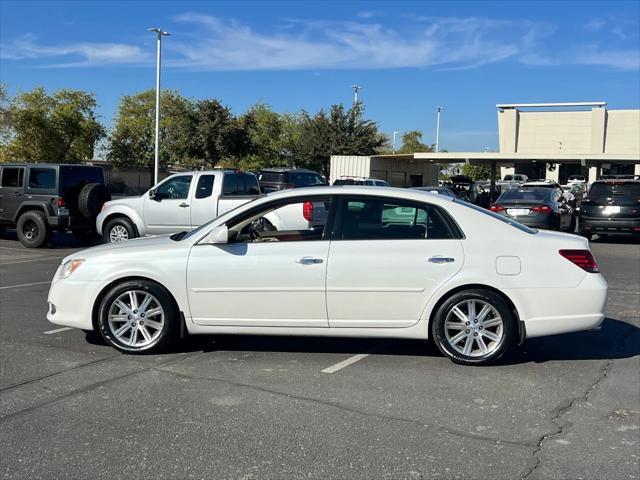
(470, 191)
(273, 179)
(438, 190)
(372, 182)
(517, 177)
(580, 179)
(187, 200)
(536, 207)
(37, 199)
(386, 263)
(182, 201)
(547, 183)
(612, 207)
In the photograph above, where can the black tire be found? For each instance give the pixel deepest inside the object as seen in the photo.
(32, 229)
(162, 338)
(118, 223)
(85, 236)
(91, 198)
(2, 229)
(504, 332)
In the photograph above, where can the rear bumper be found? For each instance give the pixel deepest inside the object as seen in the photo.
(614, 226)
(66, 222)
(554, 311)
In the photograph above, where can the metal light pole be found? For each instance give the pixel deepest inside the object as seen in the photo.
(160, 33)
(394, 140)
(439, 109)
(356, 89)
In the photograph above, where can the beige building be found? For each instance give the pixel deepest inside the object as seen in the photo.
(541, 140)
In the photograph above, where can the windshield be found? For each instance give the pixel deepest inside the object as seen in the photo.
(506, 220)
(183, 236)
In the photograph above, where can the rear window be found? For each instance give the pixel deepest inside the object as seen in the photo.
(529, 195)
(42, 178)
(608, 190)
(275, 177)
(513, 223)
(12, 177)
(348, 181)
(78, 177)
(305, 179)
(205, 186)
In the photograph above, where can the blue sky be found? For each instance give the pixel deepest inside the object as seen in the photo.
(409, 57)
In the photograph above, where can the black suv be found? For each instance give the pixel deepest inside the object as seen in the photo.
(40, 198)
(272, 179)
(612, 207)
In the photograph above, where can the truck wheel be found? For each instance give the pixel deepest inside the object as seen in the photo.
(119, 229)
(32, 228)
(91, 198)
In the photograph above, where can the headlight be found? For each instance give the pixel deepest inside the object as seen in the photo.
(71, 266)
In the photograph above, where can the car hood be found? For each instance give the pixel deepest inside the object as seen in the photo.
(124, 201)
(139, 247)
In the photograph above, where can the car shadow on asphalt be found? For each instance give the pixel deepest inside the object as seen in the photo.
(58, 241)
(618, 240)
(612, 341)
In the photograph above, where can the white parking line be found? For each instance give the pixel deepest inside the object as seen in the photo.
(24, 285)
(57, 330)
(623, 291)
(345, 363)
(33, 260)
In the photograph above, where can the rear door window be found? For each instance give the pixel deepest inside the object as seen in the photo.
(42, 178)
(205, 186)
(240, 184)
(12, 177)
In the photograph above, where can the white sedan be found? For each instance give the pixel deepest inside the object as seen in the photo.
(387, 263)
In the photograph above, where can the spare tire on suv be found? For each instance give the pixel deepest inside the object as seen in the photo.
(91, 198)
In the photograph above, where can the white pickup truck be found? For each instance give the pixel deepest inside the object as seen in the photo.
(185, 201)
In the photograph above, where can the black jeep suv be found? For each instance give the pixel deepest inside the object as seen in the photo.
(40, 198)
(272, 179)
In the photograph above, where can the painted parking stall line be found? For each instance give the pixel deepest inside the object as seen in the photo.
(22, 285)
(57, 330)
(345, 363)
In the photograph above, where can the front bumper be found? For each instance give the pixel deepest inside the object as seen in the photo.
(613, 226)
(71, 302)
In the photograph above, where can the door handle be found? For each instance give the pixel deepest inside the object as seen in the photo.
(17, 194)
(309, 260)
(183, 205)
(441, 260)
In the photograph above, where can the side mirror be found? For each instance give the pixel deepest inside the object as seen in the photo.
(219, 234)
(152, 193)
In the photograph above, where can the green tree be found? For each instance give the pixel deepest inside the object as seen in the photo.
(338, 132)
(58, 128)
(265, 131)
(132, 140)
(478, 172)
(412, 143)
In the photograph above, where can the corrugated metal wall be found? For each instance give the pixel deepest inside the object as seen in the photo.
(349, 165)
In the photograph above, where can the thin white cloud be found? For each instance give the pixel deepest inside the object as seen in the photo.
(76, 54)
(591, 54)
(444, 42)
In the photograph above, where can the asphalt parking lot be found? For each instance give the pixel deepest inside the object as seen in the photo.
(275, 407)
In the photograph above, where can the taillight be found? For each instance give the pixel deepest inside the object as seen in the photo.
(582, 258)
(542, 209)
(289, 185)
(497, 208)
(60, 202)
(307, 210)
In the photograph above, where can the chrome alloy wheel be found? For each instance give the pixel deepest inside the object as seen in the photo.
(118, 234)
(136, 318)
(474, 328)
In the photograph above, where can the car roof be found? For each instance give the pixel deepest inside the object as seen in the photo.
(617, 181)
(287, 169)
(359, 190)
(50, 165)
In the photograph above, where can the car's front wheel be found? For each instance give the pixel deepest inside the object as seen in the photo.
(473, 327)
(138, 316)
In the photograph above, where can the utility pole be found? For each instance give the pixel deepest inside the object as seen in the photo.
(394, 140)
(438, 109)
(156, 166)
(356, 90)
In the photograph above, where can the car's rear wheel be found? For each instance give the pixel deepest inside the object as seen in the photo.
(473, 327)
(118, 230)
(138, 316)
(32, 229)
